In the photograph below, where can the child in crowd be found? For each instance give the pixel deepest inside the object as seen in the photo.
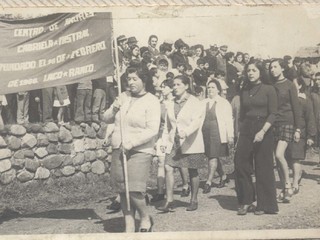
(23, 107)
(61, 101)
(162, 70)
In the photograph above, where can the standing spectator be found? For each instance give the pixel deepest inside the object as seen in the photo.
(99, 86)
(188, 72)
(135, 52)
(255, 144)
(83, 102)
(221, 61)
(217, 131)
(211, 57)
(287, 125)
(132, 41)
(162, 69)
(23, 107)
(47, 104)
(140, 128)
(200, 74)
(165, 53)
(296, 151)
(289, 72)
(152, 46)
(315, 97)
(61, 101)
(180, 56)
(183, 141)
(10, 111)
(232, 76)
(35, 111)
(3, 102)
(238, 63)
(122, 42)
(198, 52)
(246, 58)
(72, 91)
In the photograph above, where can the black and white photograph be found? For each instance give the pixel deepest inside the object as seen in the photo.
(160, 122)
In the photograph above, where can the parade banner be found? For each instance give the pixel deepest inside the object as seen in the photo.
(57, 49)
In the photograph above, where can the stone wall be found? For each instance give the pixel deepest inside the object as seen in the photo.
(44, 151)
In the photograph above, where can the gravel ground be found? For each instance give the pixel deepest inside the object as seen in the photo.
(216, 212)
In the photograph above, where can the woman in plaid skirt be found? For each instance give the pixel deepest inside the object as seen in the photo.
(287, 124)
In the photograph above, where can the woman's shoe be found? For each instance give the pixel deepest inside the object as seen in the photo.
(114, 206)
(192, 207)
(168, 207)
(295, 190)
(206, 188)
(244, 209)
(185, 192)
(223, 182)
(150, 228)
(157, 198)
(261, 212)
(287, 195)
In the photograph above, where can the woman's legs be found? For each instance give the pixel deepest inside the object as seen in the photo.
(138, 202)
(60, 115)
(129, 216)
(280, 155)
(296, 167)
(184, 177)
(169, 182)
(284, 170)
(213, 164)
(195, 181)
(161, 175)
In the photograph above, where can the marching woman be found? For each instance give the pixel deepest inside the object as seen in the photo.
(296, 151)
(258, 107)
(183, 141)
(217, 131)
(139, 114)
(287, 124)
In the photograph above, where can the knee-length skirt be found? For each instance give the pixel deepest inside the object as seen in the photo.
(138, 165)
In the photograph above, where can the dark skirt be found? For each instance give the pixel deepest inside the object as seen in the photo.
(179, 160)
(296, 150)
(211, 138)
(138, 165)
(284, 133)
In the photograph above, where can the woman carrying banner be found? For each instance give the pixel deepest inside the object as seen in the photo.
(139, 113)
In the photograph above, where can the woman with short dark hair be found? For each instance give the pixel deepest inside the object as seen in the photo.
(139, 113)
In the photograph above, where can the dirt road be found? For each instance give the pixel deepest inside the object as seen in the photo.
(217, 211)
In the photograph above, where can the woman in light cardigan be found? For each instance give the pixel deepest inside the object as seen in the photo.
(217, 131)
(140, 121)
(183, 141)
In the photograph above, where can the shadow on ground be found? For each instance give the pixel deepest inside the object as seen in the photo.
(115, 225)
(76, 214)
(226, 202)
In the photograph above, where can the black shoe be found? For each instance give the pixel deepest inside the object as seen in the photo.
(150, 228)
(193, 206)
(244, 209)
(114, 206)
(223, 182)
(157, 198)
(185, 192)
(168, 207)
(206, 188)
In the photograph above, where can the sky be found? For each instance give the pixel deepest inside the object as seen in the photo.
(261, 31)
